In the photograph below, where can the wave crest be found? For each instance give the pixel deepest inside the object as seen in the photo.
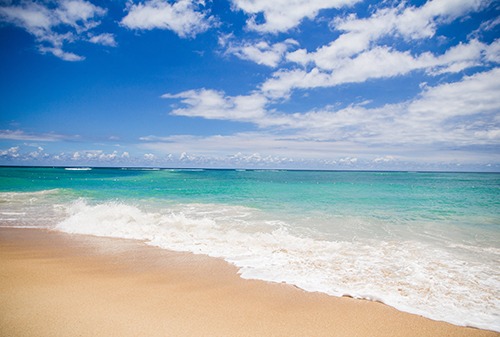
(411, 276)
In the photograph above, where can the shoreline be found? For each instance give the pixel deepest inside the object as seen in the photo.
(56, 284)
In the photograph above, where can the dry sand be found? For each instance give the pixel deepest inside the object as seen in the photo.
(53, 284)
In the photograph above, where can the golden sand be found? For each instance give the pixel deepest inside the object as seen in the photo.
(54, 284)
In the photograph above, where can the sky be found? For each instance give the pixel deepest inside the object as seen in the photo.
(293, 84)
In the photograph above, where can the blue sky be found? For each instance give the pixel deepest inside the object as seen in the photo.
(306, 84)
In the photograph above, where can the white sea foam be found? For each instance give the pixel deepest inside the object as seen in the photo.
(29, 209)
(412, 276)
(19, 195)
(13, 213)
(78, 168)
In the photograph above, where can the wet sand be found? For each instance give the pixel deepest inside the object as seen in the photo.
(54, 284)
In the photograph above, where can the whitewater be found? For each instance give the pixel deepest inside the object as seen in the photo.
(424, 243)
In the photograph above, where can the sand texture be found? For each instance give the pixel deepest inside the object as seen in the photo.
(53, 284)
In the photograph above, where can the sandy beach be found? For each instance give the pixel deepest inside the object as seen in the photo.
(54, 284)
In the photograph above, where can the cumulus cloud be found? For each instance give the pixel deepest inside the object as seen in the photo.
(436, 116)
(184, 17)
(475, 95)
(384, 159)
(95, 156)
(12, 152)
(410, 23)
(356, 56)
(380, 62)
(212, 104)
(283, 15)
(348, 160)
(149, 156)
(434, 119)
(258, 159)
(443, 118)
(15, 154)
(76, 156)
(105, 39)
(38, 154)
(261, 52)
(54, 26)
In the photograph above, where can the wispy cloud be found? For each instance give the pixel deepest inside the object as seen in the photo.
(22, 135)
(436, 116)
(291, 109)
(356, 54)
(380, 62)
(361, 34)
(272, 150)
(54, 25)
(283, 15)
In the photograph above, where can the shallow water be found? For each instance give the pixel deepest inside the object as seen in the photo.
(426, 243)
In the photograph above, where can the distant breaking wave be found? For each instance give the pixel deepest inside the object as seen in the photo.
(78, 168)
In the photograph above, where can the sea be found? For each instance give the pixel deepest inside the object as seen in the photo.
(427, 243)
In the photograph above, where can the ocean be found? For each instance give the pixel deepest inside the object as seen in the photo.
(425, 243)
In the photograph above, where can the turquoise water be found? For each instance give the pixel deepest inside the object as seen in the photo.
(427, 243)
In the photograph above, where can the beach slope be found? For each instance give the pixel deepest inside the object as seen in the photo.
(54, 284)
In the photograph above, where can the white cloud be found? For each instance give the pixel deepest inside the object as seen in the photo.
(264, 149)
(21, 135)
(259, 52)
(108, 156)
(213, 104)
(57, 51)
(263, 145)
(409, 22)
(184, 17)
(355, 57)
(450, 113)
(360, 35)
(12, 152)
(476, 94)
(348, 160)
(78, 14)
(282, 15)
(384, 159)
(258, 159)
(94, 156)
(432, 122)
(487, 25)
(185, 157)
(149, 156)
(41, 156)
(52, 26)
(38, 154)
(105, 39)
(461, 113)
(380, 62)
(492, 52)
